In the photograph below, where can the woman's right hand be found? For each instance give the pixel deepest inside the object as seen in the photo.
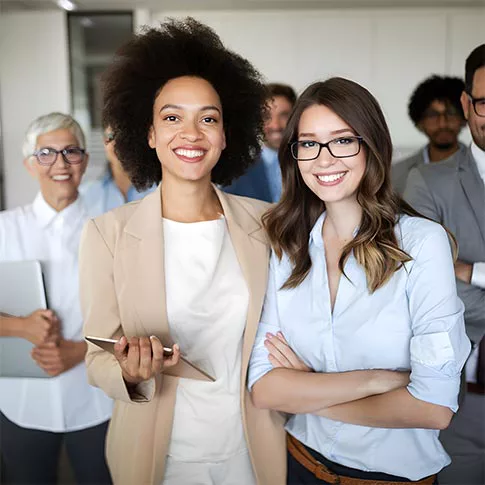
(141, 358)
(40, 327)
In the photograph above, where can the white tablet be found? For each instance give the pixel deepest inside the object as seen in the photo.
(21, 292)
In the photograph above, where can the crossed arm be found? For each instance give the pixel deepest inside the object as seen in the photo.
(376, 398)
(424, 399)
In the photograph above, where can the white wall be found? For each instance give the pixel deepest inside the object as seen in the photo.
(34, 80)
(387, 50)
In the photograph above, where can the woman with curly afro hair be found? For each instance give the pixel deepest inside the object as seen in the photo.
(178, 278)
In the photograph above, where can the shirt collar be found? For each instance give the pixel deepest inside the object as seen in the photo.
(45, 214)
(479, 157)
(269, 155)
(426, 155)
(316, 232)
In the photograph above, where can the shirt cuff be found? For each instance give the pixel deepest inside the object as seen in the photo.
(478, 275)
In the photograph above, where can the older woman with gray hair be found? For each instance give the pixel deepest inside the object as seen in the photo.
(38, 415)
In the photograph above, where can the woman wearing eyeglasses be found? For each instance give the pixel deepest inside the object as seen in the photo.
(38, 415)
(359, 284)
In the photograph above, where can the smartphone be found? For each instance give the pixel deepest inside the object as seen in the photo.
(108, 345)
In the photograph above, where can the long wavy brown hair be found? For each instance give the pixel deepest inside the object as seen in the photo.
(289, 223)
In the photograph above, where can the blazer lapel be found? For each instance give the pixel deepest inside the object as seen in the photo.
(145, 269)
(252, 251)
(473, 189)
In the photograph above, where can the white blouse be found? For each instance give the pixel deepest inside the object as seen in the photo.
(66, 402)
(207, 303)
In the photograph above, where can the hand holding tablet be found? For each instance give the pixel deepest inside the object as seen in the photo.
(140, 358)
(141, 350)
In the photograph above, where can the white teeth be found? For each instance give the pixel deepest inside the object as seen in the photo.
(61, 177)
(189, 153)
(331, 178)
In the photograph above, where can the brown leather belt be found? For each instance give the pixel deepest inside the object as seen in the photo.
(304, 458)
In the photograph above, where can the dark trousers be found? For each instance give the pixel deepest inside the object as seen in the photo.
(32, 457)
(299, 475)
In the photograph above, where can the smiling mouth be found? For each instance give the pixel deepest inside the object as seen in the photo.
(61, 178)
(330, 178)
(192, 154)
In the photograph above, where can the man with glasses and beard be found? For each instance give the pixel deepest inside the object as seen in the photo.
(453, 193)
(263, 180)
(436, 111)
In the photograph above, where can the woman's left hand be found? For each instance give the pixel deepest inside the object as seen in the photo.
(282, 355)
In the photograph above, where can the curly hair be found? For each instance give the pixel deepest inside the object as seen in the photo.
(278, 89)
(289, 222)
(179, 48)
(435, 88)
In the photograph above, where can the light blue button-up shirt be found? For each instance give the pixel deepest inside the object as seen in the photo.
(415, 321)
(103, 195)
(273, 172)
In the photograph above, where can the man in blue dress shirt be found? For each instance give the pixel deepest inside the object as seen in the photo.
(114, 188)
(263, 180)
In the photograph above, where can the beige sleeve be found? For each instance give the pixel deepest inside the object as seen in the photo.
(99, 307)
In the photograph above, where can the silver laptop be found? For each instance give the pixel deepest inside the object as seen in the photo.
(21, 292)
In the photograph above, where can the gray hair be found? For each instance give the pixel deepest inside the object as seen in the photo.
(47, 123)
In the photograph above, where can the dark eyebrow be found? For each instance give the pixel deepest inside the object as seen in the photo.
(336, 132)
(203, 108)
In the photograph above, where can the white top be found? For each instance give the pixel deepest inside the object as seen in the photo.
(415, 321)
(207, 304)
(66, 402)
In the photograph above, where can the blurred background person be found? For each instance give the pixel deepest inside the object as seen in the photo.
(263, 180)
(38, 415)
(436, 111)
(453, 193)
(114, 188)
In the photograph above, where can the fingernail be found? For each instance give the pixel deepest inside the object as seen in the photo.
(269, 335)
(280, 334)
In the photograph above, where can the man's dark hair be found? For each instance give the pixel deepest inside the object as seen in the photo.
(435, 88)
(277, 89)
(179, 48)
(475, 61)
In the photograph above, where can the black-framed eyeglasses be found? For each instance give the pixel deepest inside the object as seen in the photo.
(478, 105)
(48, 155)
(342, 147)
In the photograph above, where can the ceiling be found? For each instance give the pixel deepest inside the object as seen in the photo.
(158, 5)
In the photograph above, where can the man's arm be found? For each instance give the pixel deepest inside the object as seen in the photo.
(474, 300)
(420, 197)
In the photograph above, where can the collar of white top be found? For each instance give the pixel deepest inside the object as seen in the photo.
(45, 214)
(479, 157)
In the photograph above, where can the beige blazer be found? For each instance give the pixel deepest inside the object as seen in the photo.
(122, 289)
